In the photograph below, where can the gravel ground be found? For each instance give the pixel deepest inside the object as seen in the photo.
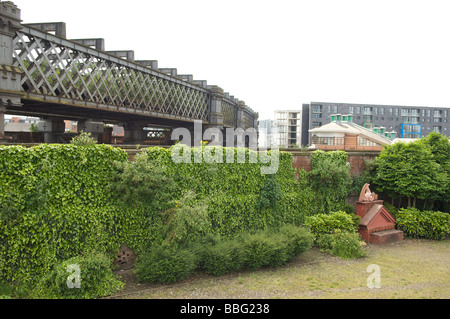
(410, 269)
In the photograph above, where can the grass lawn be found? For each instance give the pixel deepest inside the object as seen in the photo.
(410, 269)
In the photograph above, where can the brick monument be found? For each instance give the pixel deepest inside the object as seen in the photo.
(377, 224)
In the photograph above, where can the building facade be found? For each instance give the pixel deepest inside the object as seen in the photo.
(288, 129)
(406, 121)
(343, 134)
(266, 136)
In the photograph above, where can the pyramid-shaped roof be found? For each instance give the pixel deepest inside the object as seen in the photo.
(377, 216)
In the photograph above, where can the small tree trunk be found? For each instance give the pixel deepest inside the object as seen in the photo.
(409, 201)
(414, 202)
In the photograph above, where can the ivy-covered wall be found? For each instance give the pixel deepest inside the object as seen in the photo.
(56, 203)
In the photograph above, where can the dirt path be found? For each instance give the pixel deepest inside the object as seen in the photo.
(410, 269)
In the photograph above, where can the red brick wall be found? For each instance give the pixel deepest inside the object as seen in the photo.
(302, 160)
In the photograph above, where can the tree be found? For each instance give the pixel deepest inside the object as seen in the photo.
(409, 170)
(440, 148)
(330, 178)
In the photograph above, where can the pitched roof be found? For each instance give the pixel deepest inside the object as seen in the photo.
(351, 128)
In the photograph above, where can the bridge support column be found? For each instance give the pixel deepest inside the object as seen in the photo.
(50, 128)
(10, 90)
(134, 133)
(95, 128)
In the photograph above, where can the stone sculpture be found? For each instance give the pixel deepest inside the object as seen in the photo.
(367, 195)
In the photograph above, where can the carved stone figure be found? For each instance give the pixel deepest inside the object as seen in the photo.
(367, 195)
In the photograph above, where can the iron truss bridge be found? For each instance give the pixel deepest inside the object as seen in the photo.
(46, 75)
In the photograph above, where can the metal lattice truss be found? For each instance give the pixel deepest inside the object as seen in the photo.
(56, 67)
(229, 113)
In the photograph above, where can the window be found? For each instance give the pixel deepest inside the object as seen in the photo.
(446, 113)
(327, 140)
(391, 111)
(351, 109)
(368, 110)
(437, 113)
(382, 111)
(437, 129)
(358, 109)
(366, 142)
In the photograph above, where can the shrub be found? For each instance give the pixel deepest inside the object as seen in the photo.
(188, 221)
(222, 258)
(165, 265)
(342, 244)
(258, 250)
(299, 239)
(274, 248)
(423, 224)
(96, 279)
(83, 139)
(327, 223)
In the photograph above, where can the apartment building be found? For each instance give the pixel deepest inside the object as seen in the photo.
(406, 121)
(288, 128)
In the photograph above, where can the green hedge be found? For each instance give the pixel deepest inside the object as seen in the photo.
(269, 248)
(56, 201)
(423, 224)
(54, 206)
(327, 223)
(233, 190)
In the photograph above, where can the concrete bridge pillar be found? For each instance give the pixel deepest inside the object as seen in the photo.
(10, 76)
(50, 128)
(134, 133)
(89, 126)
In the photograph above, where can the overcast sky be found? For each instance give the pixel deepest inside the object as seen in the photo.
(277, 55)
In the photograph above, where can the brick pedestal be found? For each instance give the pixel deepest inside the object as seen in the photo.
(377, 224)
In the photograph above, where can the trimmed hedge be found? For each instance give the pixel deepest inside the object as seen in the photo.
(162, 264)
(423, 224)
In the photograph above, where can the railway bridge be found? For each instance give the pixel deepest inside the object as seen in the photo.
(44, 74)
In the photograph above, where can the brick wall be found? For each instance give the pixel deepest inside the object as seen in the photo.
(302, 160)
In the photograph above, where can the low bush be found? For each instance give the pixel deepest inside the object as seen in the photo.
(274, 248)
(258, 249)
(222, 258)
(96, 279)
(162, 264)
(327, 223)
(299, 239)
(342, 244)
(423, 224)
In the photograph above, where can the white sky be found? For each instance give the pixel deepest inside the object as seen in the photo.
(277, 55)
